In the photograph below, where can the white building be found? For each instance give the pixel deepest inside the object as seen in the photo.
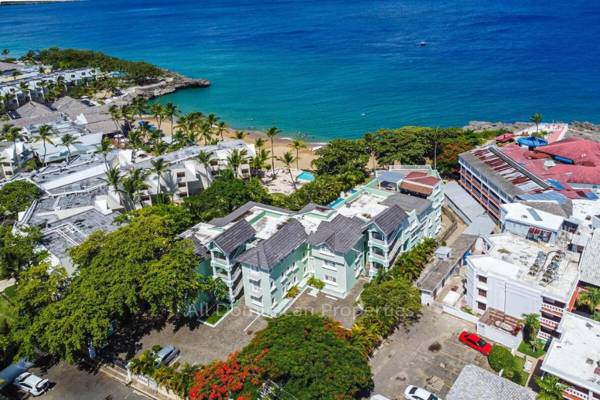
(575, 357)
(516, 276)
(530, 223)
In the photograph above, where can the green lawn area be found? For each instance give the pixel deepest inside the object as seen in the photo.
(216, 314)
(525, 348)
(7, 310)
(519, 366)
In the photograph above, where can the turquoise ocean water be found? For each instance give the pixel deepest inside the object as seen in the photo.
(333, 68)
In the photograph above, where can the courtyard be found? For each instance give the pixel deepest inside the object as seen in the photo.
(406, 359)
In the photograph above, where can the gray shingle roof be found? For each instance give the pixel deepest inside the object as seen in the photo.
(477, 383)
(270, 252)
(240, 211)
(338, 235)
(235, 236)
(389, 219)
(5, 67)
(33, 109)
(408, 202)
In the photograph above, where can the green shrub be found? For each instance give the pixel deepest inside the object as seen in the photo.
(500, 358)
(316, 283)
(293, 292)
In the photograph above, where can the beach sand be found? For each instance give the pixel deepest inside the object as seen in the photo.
(280, 144)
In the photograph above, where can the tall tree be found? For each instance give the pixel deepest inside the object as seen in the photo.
(259, 142)
(45, 136)
(532, 327)
(116, 115)
(132, 185)
(13, 134)
(240, 135)
(221, 129)
(550, 388)
(235, 159)
(297, 145)
(170, 112)
(19, 251)
(271, 133)
(113, 178)
(68, 141)
(16, 196)
(537, 120)
(159, 167)
(104, 148)
(288, 159)
(157, 111)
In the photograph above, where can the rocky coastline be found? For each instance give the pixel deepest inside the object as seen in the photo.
(170, 83)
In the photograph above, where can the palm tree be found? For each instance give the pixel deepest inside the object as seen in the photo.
(532, 327)
(157, 110)
(591, 298)
(170, 111)
(138, 106)
(203, 158)
(220, 129)
(12, 134)
(259, 142)
(133, 184)
(259, 161)
(68, 140)
(116, 115)
(25, 89)
(235, 159)
(240, 135)
(298, 144)
(104, 148)
(288, 159)
(45, 136)
(135, 142)
(159, 167)
(536, 119)
(206, 132)
(113, 178)
(271, 133)
(550, 388)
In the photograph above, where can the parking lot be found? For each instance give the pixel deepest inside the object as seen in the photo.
(405, 359)
(203, 344)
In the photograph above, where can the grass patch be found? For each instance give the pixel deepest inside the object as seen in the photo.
(525, 348)
(216, 314)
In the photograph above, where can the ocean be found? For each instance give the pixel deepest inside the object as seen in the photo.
(340, 68)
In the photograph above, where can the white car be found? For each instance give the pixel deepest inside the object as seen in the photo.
(31, 384)
(416, 393)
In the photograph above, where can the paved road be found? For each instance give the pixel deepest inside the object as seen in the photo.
(71, 383)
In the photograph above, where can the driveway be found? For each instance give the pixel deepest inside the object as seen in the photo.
(404, 358)
(203, 344)
(342, 310)
(71, 383)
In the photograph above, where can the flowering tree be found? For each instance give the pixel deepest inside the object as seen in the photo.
(229, 379)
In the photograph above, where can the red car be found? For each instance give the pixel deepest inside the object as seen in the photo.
(476, 342)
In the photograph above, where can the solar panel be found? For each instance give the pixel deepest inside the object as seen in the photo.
(534, 214)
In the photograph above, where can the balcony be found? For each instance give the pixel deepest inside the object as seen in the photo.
(554, 310)
(548, 323)
(574, 394)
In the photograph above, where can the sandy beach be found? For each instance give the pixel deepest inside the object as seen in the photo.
(280, 144)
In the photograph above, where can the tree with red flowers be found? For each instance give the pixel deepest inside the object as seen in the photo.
(229, 379)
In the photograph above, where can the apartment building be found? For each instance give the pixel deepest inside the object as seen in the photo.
(509, 276)
(264, 251)
(573, 357)
(499, 175)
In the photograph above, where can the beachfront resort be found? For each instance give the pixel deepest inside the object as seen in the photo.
(488, 251)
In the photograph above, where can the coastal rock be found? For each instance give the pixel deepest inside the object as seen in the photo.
(171, 82)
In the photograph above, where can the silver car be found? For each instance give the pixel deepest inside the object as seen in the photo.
(31, 384)
(165, 355)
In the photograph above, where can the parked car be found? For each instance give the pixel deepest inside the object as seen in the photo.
(475, 341)
(31, 384)
(416, 393)
(165, 355)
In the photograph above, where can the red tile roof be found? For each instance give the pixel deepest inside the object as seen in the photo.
(415, 187)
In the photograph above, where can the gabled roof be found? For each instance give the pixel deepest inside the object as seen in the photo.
(235, 236)
(240, 211)
(70, 106)
(338, 235)
(33, 109)
(408, 202)
(270, 252)
(389, 219)
(390, 176)
(477, 383)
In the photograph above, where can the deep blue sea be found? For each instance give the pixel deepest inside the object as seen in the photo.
(333, 68)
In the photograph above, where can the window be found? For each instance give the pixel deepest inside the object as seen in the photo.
(481, 306)
(257, 299)
(377, 235)
(482, 279)
(329, 265)
(378, 251)
(482, 292)
(330, 278)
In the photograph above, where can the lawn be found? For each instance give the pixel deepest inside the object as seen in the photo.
(525, 348)
(216, 314)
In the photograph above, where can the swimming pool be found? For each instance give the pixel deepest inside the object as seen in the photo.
(336, 203)
(305, 176)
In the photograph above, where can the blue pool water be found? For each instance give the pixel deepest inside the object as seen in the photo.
(336, 203)
(306, 176)
(333, 68)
